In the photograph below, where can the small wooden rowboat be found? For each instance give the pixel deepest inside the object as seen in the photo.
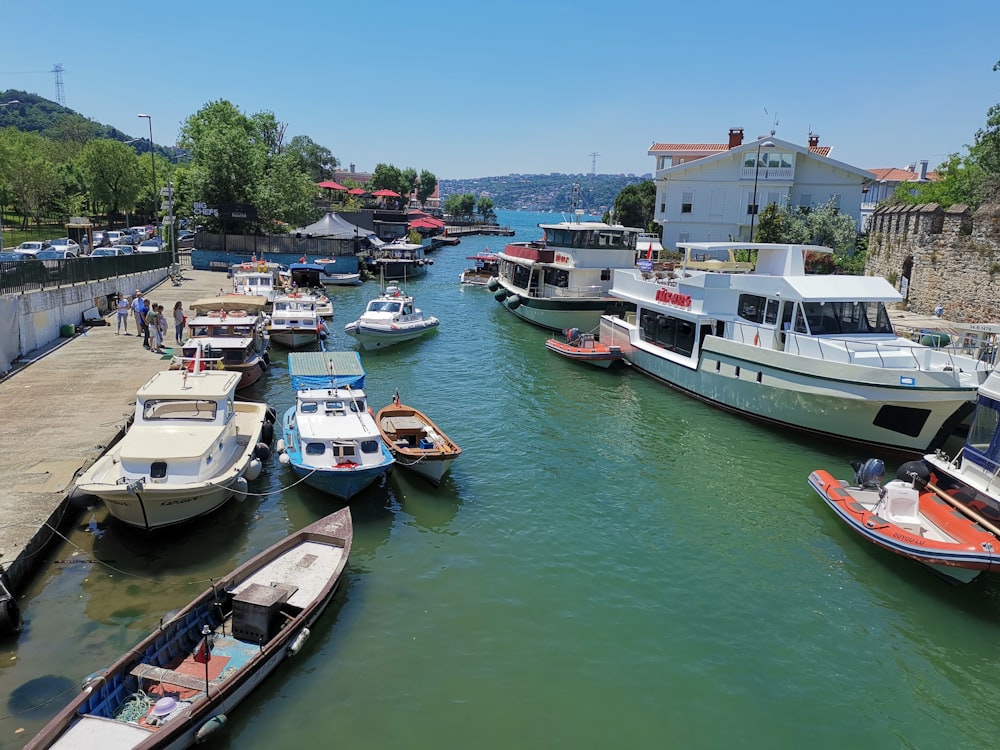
(584, 347)
(415, 441)
(925, 525)
(175, 688)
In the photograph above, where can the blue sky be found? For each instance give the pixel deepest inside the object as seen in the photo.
(477, 89)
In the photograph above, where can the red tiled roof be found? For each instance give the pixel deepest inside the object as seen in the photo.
(820, 150)
(894, 174)
(672, 147)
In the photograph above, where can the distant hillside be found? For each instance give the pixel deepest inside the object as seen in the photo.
(544, 192)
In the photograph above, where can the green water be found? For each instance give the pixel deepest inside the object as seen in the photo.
(609, 564)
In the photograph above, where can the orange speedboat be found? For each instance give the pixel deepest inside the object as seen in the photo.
(585, 347)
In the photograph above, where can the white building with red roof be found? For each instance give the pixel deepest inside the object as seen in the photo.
(714, 192)
(885, 183)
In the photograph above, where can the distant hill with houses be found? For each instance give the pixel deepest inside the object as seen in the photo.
(544, 192)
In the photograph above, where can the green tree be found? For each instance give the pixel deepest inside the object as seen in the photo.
(485, 209)
(285, 194)
(30, 176)
(409, 176)
(635, 204)
(460, 205)
(773, 225)
(387, 177)
(427, 184)
(312, 159)
(112, 174)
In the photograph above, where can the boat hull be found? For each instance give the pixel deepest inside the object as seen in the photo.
(598, 355)
(967, 552)
(342, 484)
(380, 337)
(560, 313)
(295, 339)
(416, 442)
(862, 405)
(310, 564)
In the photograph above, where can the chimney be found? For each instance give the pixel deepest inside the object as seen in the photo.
(923, 171)
(813, 140)
(735, 137)
(352, 169)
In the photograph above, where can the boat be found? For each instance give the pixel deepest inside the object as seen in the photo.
(230, 333)
(390, 318)
(330, 275)
(177, 686)
(415, 441)
(256, 279)
(484, 267)
(295, 322)
(563, 280)
(398, 260)
(816, 352)
(191, 447)
(329, 437)
(919, 524)
(584, 347)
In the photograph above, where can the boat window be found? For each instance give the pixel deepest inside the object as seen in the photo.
(407, 309)
(334, 405)
(315, 449)
(771, 312)
(984, 426)
(800, 320)
(751, 307)
(347, 450)
(557, 277)
(202, 410)
(369, 446)
(357, 405)
(309, 407)
(673, 334)
(847, 317)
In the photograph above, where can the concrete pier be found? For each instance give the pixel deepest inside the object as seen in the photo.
(61, 407)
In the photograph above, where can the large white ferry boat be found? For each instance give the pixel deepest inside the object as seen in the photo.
(813, 352)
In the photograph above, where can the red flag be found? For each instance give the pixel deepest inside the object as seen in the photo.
(204, 653)
(302, 259)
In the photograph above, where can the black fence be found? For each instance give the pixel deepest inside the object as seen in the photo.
(31, 273)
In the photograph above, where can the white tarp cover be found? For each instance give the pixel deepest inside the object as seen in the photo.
(335, 226)
(10, 332)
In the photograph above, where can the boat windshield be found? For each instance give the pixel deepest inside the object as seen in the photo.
(198, 409)
(383, 306)
(826, 318)
(979, 445)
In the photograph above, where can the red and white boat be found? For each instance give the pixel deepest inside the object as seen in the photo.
(584, 347)
(929, 525)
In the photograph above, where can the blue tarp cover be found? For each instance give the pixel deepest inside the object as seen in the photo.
(311, 370)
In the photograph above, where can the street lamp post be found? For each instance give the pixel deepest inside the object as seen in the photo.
(756, 173)
(152, 163)
(4, 104)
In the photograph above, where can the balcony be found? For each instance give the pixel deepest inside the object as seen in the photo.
(763, 174)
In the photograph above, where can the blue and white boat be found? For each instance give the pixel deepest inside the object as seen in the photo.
(330, 438)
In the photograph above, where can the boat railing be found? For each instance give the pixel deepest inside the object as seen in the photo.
(577, 292)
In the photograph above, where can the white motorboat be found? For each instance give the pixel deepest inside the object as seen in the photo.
(330, 438)
(256, 278)
(295, 322)
(191, 447)
(563, 280)
(399, 259)
(813, 352)
(485, 266)
(227, 333)
(390, 318)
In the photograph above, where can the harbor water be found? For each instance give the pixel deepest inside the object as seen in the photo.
(609, 564)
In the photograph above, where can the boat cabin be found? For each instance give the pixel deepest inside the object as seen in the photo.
(313, 412)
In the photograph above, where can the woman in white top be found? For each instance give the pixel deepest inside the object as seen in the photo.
(123, 308)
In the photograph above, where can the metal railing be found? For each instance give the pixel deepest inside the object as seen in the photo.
(17, 276)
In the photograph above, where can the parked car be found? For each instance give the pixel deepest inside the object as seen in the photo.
(154, 245)
(65, 243)
(103, 252)
(185, 238)
(21, 268)
(100, 238)
(115, 237)
(31, 247)
(125, 249)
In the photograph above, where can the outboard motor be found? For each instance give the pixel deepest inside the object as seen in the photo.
(869, 475)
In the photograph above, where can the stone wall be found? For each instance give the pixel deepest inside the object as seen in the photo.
(935, 256)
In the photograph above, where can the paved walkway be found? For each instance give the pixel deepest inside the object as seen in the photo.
(62, 408)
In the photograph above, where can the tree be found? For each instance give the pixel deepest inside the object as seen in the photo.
(409, 176)
(112, 174)
(484, 207)
(312, 159)
(29, 175)
(460, 205)
(426, 187)
(773, 225)
(635, 204)
(388, 177)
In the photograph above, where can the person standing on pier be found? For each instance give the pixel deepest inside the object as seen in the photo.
(179, 320)
(123, 307)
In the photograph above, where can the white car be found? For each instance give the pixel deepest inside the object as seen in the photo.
(65, 243)
(31, 247)
(150, 246)
(115, 238)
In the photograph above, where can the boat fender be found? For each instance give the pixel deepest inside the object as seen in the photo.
(262, 451)
(263, 365)
(10, 613)
(270, 414)
(284, 460)
(298, 642)
(267, 358)
(89, 682)
(514, 302)
(209, 728)
(240, 489)
(500, 295)
(430, 261)
(253, 469)
(914, 470)
(280, 445)
(493, 284)
(266, 436)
